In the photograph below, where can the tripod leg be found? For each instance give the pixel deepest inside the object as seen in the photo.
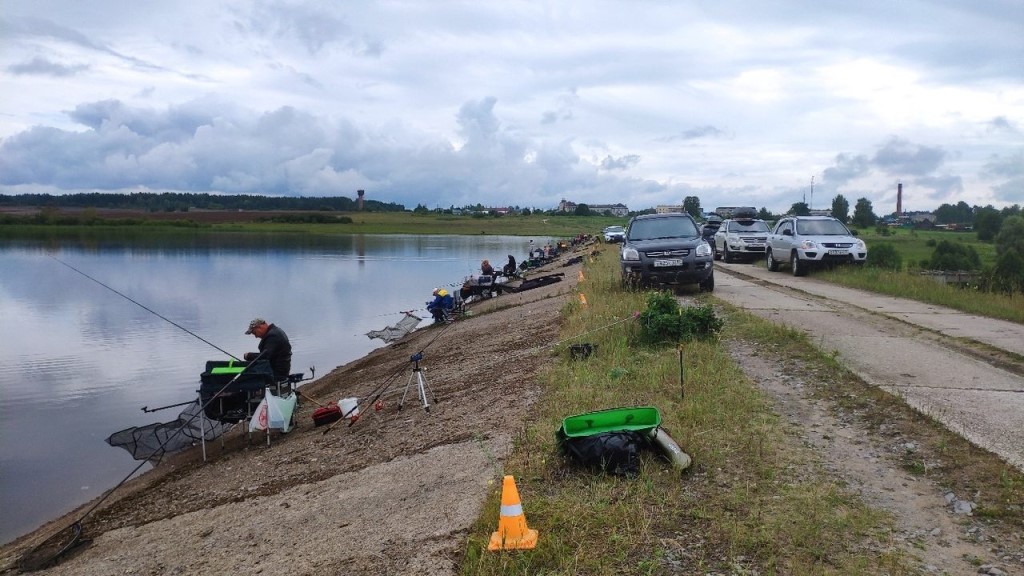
(404, 394)
(421, 382)
(426, 389)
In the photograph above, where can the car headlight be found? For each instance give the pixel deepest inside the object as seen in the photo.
(861, 245)
(704, 249)
(630, 254)
(808, 245)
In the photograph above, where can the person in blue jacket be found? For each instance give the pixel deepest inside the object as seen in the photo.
(442, 302)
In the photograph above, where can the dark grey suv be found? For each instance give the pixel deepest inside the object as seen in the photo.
(666, 249)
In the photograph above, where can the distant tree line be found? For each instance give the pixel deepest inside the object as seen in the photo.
(183, 202)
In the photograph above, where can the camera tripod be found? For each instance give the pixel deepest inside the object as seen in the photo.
(421, 382)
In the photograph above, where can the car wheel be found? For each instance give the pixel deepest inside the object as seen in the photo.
(726, 255)
(709, 284)
(799, 269)
(771, 262)
(717, 254)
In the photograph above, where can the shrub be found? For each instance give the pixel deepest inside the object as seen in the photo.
(665, 321)
(886, 257)
(950, 256)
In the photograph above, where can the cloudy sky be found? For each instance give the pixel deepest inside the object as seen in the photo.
(519, 103)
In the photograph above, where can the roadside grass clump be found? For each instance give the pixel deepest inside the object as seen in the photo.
(750, 503)
(665, 321)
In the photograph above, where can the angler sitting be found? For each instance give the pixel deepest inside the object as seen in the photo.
(441, 306)
(510, 269)
(274, 347)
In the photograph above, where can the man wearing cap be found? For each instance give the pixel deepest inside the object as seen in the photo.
(274, 347)
(442, 303)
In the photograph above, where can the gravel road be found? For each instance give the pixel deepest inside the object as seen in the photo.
(947, 364)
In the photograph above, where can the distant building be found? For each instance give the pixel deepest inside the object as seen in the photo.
(608, 209)
(668, 209)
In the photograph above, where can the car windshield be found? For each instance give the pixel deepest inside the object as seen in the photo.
(748, 226)
(652, 228)
(614, 229)
(821, 228)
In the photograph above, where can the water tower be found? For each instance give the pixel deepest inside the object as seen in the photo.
(359, 199)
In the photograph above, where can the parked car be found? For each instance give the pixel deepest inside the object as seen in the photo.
(614, 234)
(806, 241)
(709, 228)
(666, 249)
(740, 238)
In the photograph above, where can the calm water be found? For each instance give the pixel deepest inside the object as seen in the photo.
(79, 362)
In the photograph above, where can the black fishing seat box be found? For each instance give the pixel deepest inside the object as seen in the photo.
(230, 389)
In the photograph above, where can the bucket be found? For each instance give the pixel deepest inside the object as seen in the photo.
(347, 405)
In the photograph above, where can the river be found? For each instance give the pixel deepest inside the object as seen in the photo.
(94, 333)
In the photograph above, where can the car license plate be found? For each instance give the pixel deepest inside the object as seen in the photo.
(665, 263)
(755, 245)
(837, 252)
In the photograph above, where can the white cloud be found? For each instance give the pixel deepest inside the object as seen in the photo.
(516, 103)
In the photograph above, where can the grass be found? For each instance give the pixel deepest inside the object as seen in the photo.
(913, 245)
(362, 223)
(916, 287)
(753, 502)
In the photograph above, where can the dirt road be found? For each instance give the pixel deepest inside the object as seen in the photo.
(926, 354)
(957, 368)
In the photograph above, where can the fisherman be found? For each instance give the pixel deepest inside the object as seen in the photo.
(486, 269)
(274, 347)
(441, 305)
(510, 268)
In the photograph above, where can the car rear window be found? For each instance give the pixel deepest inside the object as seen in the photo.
(821, 228)
(748, 226)
(662, 228)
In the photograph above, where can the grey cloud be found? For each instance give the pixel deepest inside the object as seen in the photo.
(942, 186)
(310, 26)
(693, 134)
(620, 163)
(43, 67)
(35, 27)
(900, 157)
(1002, 124)
(847, 167)
(1009, 169)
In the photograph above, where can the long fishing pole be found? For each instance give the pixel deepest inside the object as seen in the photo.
(147, 309)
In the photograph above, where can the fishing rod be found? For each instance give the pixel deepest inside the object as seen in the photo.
(147, 309)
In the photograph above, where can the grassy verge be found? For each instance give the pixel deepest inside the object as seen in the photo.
(915, 287)
(754, 501)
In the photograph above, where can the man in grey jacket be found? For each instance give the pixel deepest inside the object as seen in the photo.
(274, 347)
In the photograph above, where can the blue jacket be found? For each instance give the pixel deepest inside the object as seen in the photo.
(445, 301)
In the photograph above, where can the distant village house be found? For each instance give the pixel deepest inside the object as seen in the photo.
(607, 209)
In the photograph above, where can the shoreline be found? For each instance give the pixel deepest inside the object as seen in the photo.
(481, 402)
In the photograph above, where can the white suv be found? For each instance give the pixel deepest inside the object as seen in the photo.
(740, 238)
(804, 241)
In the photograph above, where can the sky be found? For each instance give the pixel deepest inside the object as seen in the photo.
(515, 103)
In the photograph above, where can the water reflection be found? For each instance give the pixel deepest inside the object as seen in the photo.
(80, 361)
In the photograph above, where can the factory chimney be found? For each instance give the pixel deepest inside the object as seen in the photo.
(899, 199)
(361, 193)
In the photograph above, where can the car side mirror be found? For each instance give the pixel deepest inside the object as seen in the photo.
(853, 231)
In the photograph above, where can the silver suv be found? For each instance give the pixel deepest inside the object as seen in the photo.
(666, 249)
(741, 238)
(805, 241)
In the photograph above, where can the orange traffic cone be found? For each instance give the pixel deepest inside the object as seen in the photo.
(512, 532)
(583, 300)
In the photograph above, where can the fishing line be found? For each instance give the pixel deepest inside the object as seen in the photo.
(147, 309)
